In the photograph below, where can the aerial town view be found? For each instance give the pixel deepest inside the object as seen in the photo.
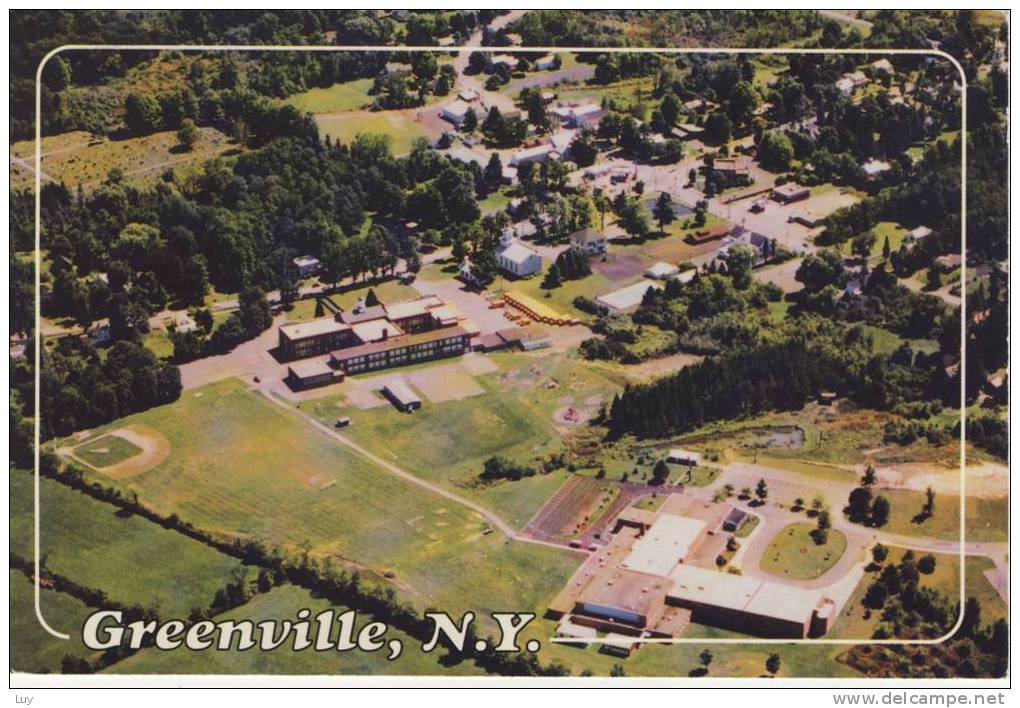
(696, 354)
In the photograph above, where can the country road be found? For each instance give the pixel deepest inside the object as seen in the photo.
(29, 167)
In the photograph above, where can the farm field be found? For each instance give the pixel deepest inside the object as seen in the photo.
(242, 466)
(35, 650)
(397, 126)
(282, 603)
(91, 543)
(514, 418)
(75, 158)
(793, 553)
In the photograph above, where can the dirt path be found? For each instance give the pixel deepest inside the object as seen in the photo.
(29, 167)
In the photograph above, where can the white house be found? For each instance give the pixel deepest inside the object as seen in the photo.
(468, 95)
(916, 235)
(466, 272)
(456, 111)
(578, 115)
(506, 59)
(307, 266)
(590, 241)
(539, 153)
(516, 258)
(873, 168)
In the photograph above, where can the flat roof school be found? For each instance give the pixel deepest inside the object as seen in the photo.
(656, 573)
(372, 338)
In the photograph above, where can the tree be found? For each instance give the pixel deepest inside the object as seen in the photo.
(742, 104)
(773, 663)
(582, 149)
(470, 123)
(880, 509)
(494, 171)
(142, 114)
(886, 249)
(775, 151)
(761, 490)
(859, 505)
(660, 473)
(553, 278)
(187, 134)
(862, 245)
(718, 128)
(663, 211)
(706, 657)
(879, 553)
(929, 503)
(926, 564)
(869, 478)
(253, 308)
(821, 269)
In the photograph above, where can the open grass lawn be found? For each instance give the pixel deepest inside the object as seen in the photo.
(131, 559)
(346, 96)
(623, 92)
(400, 129)
(562, 298)
(857, 622)
(497, 201)
(33, 649)
(794, 554)
(242, 466)
(283, 603)
(893, 231)
(886, 342)
(985, 517)
(73, 158)
(107, 450)
(449, 442)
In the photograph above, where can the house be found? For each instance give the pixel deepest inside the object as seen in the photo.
(873, 168)
(538, 153)
(561, 140)
(950, 262)
(307, 266)
(182, 323)
(845, 85)
(468, 95)
(661, 271)
(401, 395)
(526, 338)
(687, 131)
(590, 241)
(100, 334)
(678, 456)
(735, 171)
(506, 60)
(883, 65)
(456, 111)
(466, 272)
(790, 192)
(916, 235)
(516, 258)
(585, 114)
(514, 39)
(761, 243)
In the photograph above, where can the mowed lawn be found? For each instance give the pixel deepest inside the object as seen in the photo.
(37, 651)
(793, 553)
(985, 517)
(245, 467)
(131, 559)
(449, 442)
(346, 96)
(282, 603)
(400, 129)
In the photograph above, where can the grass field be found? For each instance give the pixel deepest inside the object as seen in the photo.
(91, 543)
(242, 466)
(73, 158)
(985, 517)
(347, 96)
(282, 603)
(400, 129)
(450, 442)
(107, 450)
(794, 554)
(35, 650)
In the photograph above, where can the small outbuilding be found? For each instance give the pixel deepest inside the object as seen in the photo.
(678, 456)
(401, 396)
